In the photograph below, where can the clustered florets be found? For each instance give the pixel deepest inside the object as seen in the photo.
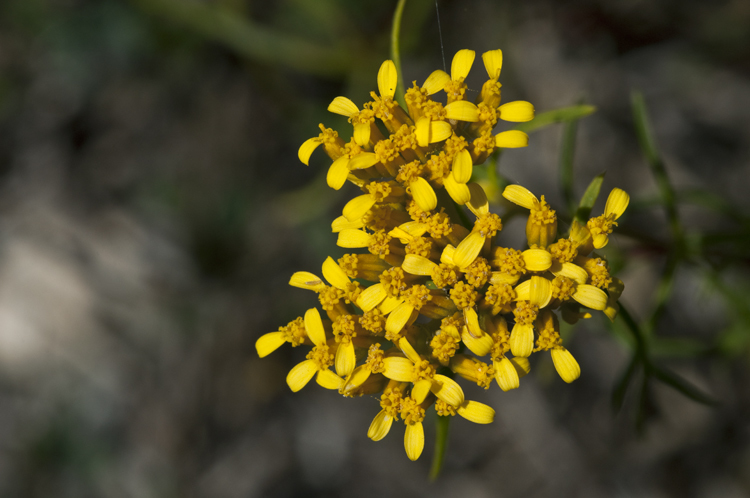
(430, 290)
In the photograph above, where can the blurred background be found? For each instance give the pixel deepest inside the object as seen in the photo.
(153, 209)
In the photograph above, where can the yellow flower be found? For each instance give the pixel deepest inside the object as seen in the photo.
(541, 226)
(601, 226)
(318, 360)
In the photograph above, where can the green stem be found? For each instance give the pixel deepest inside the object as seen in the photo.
(442, 428)
(396, 51)
(567, 153)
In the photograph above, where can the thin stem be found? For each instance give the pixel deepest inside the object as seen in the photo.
(396, 51)
(442, 429)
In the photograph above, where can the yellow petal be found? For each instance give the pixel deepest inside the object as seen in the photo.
(522, 365)
(314, 327)
(480, 346)
(307, 280)
(363, 160)
(478, 204)
(520, 195)
(423, 194)
(414, 228)
(343, 106)
(462, 110)
(472, 322)
(301, 374)
(476, 412)
(523, 291)
(329, 380)
(341, 223)
(389, 304)
(408, 350)
(357, 378)
(463, 166)
(590, 296)
(357, 207)
(468, 250)
(498, 278)
(420, 390)
(447, 389)
(338, 172)
(397, 368)
(398, 318)
(511, 139)
(268, 343)
(439, 131)
(459, 192)
(446, 257)
(345, 360)
(371, 297)
(567, 366)
(600, 240)
(571, 271)
(422, 131)
(506, 374)
(387, 79)
(307, 148)
(436, 81)
(414, 440)
(522, 340)
(380, 426)
(493, 63)
(617, 202)
(540, 291)
(537, 259)
(352, 239)
(517, 112)
(418, 265)
(461, 64)
(334, 274)
(362, 134)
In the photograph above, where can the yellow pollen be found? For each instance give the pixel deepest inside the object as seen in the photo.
(379, 190)
(464, 295)
(433, 110)
(525, 312)
(455, 89)
(351, 149)
(484, 374)
(373, 321)
(439, 166)
(416, 213)
(322, 356)
(379, 243)
(563, 288)
(348, 263)
(375, 359)
(598, 272)
(420, 246)
(294, 332)
(548, 337)
(353, 290)
(444, 346)
(564, 250)
(411, 412)
(541, 214)
(378, 218)
(330, 297)
(439, 224)
(443, 409)
(444, 276)
(344, 328)
(478, 272)
(423, 369)
(418, 296)
(500, 296)
(386, 151)
(509, 261)
(391, 401)
(453, 146)
(500, 346)
(409, 172)
(416, 96)
(405, 138)
(601, 225)
(393, 281)
(487, 115)
(383, 107)
(456, 321)
(488, 225)
(485, 144)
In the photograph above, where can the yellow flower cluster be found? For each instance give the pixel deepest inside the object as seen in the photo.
(403, 318)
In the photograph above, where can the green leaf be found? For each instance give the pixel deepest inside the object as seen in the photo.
(442, 428)
(556, 116)
(567, 154)
(589, 198)
(683, 386)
